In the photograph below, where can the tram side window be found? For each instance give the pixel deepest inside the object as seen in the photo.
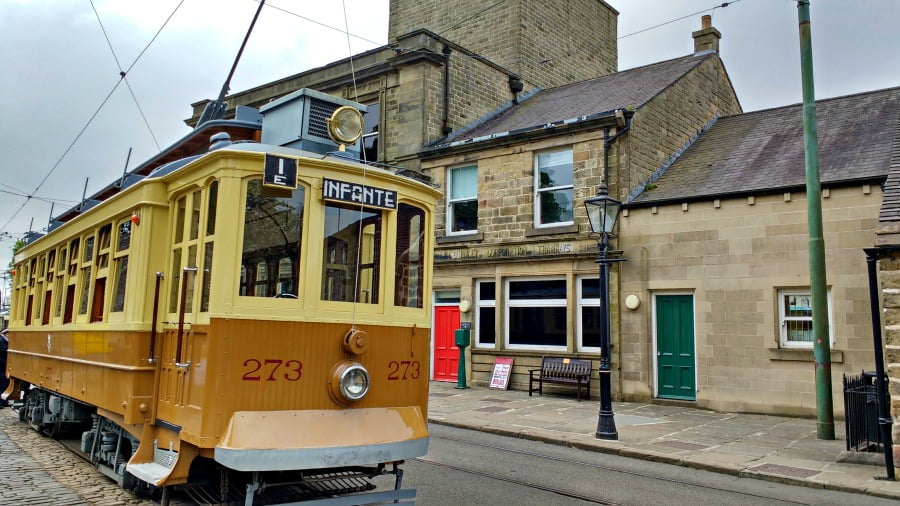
(410, 267)
(72, 280)
(273, 234)
(208, 242)
(121, 265)
(352, 254)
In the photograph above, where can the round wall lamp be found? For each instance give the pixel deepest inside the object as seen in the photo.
(632, 302)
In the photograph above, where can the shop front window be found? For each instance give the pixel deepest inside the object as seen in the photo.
(485, 312)
(536, 314)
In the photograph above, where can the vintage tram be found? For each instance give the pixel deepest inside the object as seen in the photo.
(245, 312)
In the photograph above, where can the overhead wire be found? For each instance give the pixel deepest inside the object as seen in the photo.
(720, 6)
(345, 32)
(123, 75)
(89, 121)
(359, 232)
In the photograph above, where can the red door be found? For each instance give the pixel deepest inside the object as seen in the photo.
(446, 354)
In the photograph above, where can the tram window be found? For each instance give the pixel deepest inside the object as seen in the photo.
(176, 280)
(59, 296)
(410, 266)
(103, 246)
(70, 304)
(62, 261)
(179, 221)
(85, 290)
(120, 266)
(207, 277)
(192, 282)
(30, 306)
(124, 241)
(211, 208)
(352, 252)
(195, 215)
(88, 249)
(99, 297)
(121, 274)
(273, 230)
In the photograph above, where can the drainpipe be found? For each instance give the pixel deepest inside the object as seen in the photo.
(446, 120)
(885, 423)
(623, 121)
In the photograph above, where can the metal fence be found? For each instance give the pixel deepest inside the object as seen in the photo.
(861, 413)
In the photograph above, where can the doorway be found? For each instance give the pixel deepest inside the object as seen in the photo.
(446, 322)
(676, 369)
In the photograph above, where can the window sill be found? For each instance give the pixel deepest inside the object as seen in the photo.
(477, 236)
(801, 355)
(562, 229)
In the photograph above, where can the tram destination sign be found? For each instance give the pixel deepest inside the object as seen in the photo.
(358, 194)
(280, 173)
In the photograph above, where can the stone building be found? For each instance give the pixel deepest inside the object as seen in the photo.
(723, 232)
(450, 63)
(513, 239)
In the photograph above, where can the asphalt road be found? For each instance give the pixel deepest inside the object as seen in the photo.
(471, 468)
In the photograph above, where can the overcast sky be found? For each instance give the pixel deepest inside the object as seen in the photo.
(58, 68)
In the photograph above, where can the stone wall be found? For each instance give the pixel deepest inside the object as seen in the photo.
(733, 256)
(506, 186)
(547, 42)
(889, 277)
(663, 126)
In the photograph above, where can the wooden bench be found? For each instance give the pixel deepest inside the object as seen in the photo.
(561, 371)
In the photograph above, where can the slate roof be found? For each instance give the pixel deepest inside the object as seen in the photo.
(763, 151)
(627, 89)
(890, 205)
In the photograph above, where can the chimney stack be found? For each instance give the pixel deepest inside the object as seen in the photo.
(706, 37)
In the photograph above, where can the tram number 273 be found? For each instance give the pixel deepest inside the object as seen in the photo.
(273, 369)
(404, 370)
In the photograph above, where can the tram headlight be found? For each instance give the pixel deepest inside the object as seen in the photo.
(349, 382)
(345, 125)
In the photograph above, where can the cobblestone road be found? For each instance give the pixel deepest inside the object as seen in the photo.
(36, 470)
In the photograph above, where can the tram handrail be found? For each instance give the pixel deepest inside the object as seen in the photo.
(178, 346)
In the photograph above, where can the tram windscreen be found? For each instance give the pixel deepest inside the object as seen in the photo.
(352, 254)
(273, 232)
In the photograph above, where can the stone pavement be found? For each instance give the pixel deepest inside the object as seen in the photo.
(758, 446)
(35, 470)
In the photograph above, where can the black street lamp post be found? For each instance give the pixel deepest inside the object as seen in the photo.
(602, 211)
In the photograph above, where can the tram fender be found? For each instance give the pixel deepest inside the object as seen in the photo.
(314, 439)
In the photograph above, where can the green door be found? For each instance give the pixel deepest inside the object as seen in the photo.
(675, 369)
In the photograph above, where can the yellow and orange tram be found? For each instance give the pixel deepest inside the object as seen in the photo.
(246, 316)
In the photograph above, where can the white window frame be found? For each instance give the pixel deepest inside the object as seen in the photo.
(451, 201)
(508, 303)
(479, 303)
(782, 319)
(538, 219)
(583, 302)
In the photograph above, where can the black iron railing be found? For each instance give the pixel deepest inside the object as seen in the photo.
(861, 413)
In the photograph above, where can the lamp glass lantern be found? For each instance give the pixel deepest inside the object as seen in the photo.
(602, 211)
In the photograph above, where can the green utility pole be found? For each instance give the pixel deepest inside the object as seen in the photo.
(817, 281)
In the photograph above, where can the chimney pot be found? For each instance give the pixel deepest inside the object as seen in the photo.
(707, 37)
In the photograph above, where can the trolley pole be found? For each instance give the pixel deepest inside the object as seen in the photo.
(818, 282)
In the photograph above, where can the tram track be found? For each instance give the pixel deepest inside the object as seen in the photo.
(575, 462)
